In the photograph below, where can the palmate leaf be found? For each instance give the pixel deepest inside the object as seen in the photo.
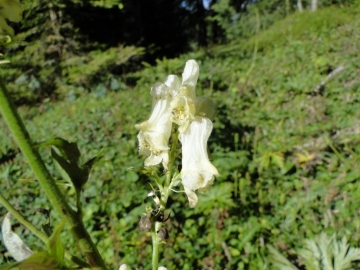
(70, 170)
(325, 252)
(278, 260)
(325, 245)
(69, 150)
(344, 255)
(67, 159)
(311, 255)
(322, 253)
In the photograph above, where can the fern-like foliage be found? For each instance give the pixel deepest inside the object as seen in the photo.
(322, 253)
(278, 260)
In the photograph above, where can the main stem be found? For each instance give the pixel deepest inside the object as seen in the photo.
(165, 192)
(155, 243)
(52, 191)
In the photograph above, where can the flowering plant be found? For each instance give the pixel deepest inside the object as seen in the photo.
(177, 115)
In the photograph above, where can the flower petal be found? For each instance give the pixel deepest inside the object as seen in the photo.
(155, 132)
(173, 82)
(183, 106)
(190, 74)
(197, 171)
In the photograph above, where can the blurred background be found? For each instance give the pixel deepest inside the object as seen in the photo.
(285, 75)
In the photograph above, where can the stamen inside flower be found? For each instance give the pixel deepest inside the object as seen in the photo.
(180, 113)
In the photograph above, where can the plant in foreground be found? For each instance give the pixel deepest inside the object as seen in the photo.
(177, 115)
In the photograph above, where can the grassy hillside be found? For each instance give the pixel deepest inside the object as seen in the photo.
(286, 146)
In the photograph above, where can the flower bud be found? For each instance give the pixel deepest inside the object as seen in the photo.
(145, 224)
(163, 234)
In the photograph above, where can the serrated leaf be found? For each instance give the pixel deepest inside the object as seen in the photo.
(56, 247)
(15, 246)
(311, 255)
(326, 253)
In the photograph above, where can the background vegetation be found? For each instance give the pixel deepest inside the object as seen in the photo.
(286, 144)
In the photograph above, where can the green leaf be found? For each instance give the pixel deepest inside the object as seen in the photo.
(278, 260)
(67, 156)
(37, 261)
(69, 150)
(248, 235)
(9, 10)
(70, 170)
(56, 248)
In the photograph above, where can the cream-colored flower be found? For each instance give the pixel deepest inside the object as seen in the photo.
(197, 171)
(123, 267)
(183, 106)
(155, 132)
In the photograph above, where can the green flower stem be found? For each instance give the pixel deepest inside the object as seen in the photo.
(169, 173)
(42, 236)
(155, 243)
(165, 192)
(52, 191)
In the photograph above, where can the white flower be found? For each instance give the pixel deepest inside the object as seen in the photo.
(183, 106)
(123, 267)
(155, 132)
(197, 171)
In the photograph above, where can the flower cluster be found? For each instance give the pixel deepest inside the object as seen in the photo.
(176, 103)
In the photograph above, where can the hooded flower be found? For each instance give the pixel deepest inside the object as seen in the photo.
(155, 132)
(197, 171)
(183, 106)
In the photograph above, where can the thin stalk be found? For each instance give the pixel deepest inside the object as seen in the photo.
(42, 236)
(165, 191)
(169, 173)
(78, 202)
(52, 191)
(155, 243)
